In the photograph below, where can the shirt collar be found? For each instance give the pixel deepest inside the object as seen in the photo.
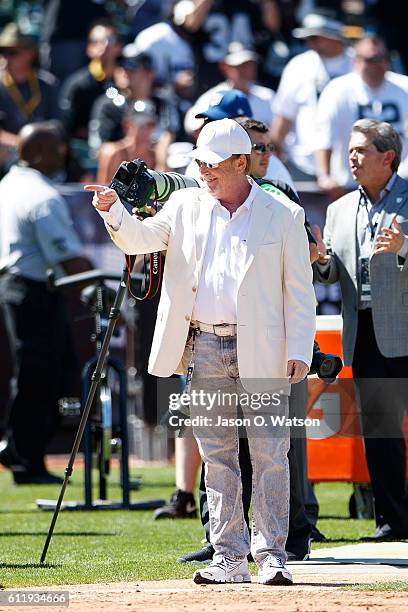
(384, 191)
(247, 204)
(390, 184)
(251, 196)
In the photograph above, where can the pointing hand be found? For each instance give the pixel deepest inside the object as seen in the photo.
(104, 196)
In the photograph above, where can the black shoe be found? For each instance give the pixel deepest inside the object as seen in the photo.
(298, 556)
(9, 457)
(299, 553)
(316, 535)
(182, 505)
(40, 478)
(199, 556)
(385, 533)
(203, 555)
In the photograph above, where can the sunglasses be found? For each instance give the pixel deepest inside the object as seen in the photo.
(374, 59)
(10, 52)
(260, 147)
(107, 40)
(201, 164)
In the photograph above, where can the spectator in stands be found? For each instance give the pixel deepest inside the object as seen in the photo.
(26, 93)
(134, 79)
(214, 24)
(84, 86)
(370, 91)
(139, 124)
(170, 50)
(277, 45)
(303, 80)
(239, 68)
(63, 34)
(169, 47)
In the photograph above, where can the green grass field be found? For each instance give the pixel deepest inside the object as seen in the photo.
(122, 545)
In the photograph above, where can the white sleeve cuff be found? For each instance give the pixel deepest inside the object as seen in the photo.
(113, 217)
(300, 358)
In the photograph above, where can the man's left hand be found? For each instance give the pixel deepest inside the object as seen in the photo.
(297, 370)
(390, 240)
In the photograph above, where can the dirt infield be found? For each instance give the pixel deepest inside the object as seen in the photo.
(318, 588)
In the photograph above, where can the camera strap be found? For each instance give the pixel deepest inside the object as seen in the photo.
(152, 273)
(152, 269)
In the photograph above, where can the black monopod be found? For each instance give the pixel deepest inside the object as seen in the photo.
(95, 380)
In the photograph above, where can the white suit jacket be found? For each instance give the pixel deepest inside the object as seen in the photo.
(275, 302)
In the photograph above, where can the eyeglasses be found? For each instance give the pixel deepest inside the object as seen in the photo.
(106, 40)
(201, 164)
(260, 147)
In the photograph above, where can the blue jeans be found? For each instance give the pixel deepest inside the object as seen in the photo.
(216, 373)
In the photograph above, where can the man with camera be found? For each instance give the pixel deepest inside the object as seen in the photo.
(365, 248)
(300, 527)
(239, 325)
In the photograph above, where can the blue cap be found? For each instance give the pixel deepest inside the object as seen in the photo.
(229, 104)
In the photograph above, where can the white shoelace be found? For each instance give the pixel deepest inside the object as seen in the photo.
(227, 564)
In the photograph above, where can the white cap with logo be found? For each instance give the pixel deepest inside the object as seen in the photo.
(218, 140)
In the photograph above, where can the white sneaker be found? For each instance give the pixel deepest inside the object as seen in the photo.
(274, 572)
(223, 570)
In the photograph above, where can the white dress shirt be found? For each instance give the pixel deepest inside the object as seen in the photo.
(223, 264)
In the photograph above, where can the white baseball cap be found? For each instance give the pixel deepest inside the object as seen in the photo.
(218, 140)
(315, 24)
(238, 54)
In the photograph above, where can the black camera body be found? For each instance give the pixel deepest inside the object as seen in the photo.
(133, 183)
(325, 365)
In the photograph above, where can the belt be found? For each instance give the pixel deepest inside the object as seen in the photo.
(223, 329)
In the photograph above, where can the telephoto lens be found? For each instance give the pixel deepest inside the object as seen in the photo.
(168, 182)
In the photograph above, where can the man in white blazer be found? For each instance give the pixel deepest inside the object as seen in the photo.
(237, 306)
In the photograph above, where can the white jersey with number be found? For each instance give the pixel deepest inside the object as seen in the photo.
(347, 99)
(303, 79)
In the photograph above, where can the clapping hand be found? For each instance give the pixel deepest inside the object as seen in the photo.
(390, 240)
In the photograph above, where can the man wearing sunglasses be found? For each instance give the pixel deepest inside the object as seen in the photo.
(85, 85)
(238, 310)
(26, 93)
(297, 544)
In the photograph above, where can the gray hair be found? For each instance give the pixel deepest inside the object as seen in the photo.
(383, 136)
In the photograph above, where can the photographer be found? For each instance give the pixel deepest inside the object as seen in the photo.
(300, 529)
(213, 328)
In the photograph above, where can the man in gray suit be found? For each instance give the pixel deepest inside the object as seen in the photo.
(365, 248)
